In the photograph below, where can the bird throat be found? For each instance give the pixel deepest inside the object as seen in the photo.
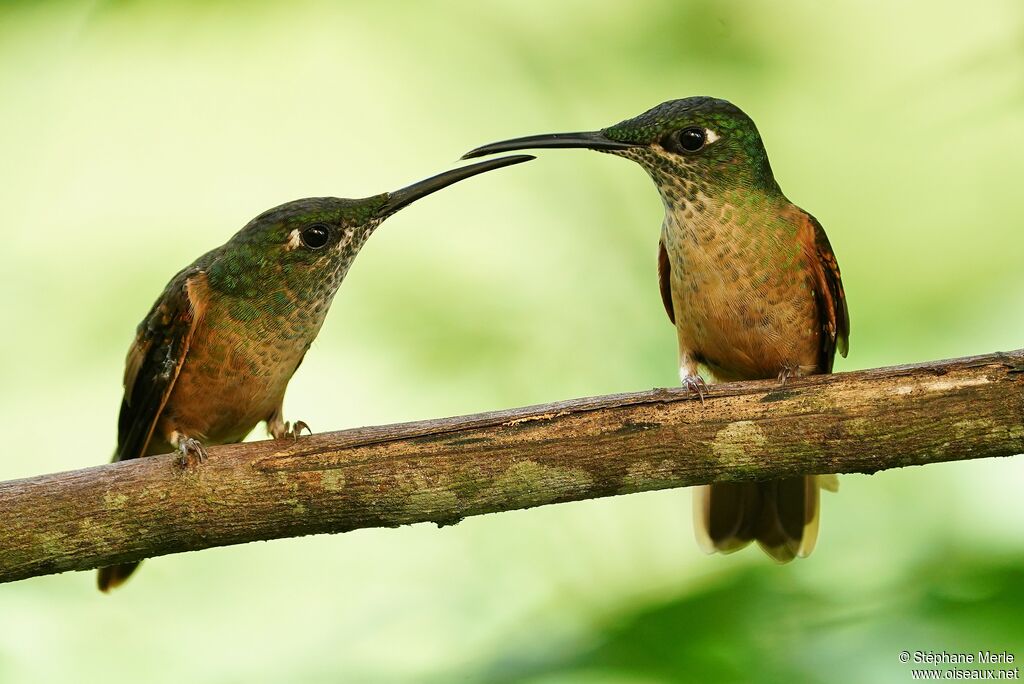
(710, 208)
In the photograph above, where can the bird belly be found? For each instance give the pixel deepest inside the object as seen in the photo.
(743, 318)
(229, 383)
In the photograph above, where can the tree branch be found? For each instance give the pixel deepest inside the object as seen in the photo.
(444, 470)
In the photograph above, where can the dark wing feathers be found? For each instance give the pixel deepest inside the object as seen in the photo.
(154, 360)
(829, 295)
(665, 280)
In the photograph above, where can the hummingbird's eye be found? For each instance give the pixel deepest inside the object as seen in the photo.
(315, 236)
(692, 139)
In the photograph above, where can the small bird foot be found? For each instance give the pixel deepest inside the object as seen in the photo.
(284, 429)
(191, 452)
(296, 428)
(785, 374)
(695, 385)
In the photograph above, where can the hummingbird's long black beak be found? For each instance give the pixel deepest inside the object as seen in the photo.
(409, 194)
(591, 140)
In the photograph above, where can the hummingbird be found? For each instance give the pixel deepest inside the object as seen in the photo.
(749, 280)
(215, 353)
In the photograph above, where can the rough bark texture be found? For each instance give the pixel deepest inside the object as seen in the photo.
(444, 470)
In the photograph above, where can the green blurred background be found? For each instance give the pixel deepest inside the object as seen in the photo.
(137, 135)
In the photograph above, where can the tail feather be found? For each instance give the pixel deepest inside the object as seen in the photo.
(812, 513)
(725, 514)
(781, 515)
(114, 576)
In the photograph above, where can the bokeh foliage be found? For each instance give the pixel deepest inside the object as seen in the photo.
(137, 135)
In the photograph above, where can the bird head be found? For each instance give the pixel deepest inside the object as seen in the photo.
(700, 143)
(307, 245)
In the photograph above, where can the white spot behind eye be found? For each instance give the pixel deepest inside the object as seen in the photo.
(294, 240)
(710, 135)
